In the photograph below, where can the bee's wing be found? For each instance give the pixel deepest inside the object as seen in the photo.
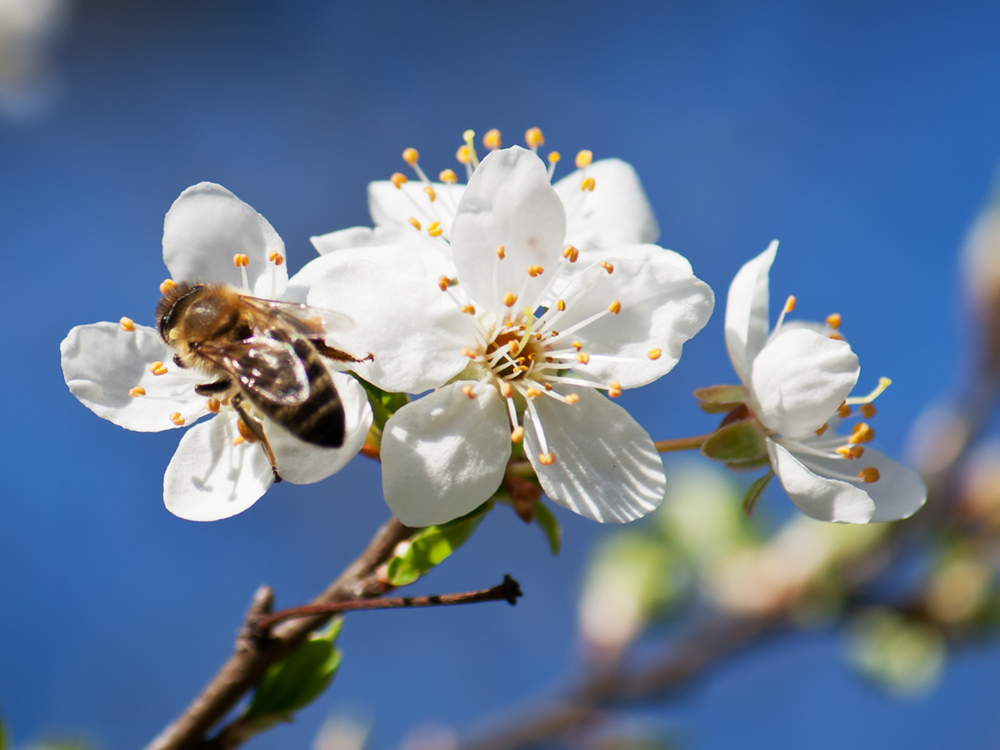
(299, 319)
(267, 368)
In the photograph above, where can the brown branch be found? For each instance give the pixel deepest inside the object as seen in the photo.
(253, 655)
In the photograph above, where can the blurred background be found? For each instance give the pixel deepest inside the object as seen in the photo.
(862, 135)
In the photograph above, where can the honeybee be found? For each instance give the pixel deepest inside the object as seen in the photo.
(260, 351)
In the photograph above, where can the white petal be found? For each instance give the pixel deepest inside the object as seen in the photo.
(746, 312)
(818, 495)
(392, 207)
(661, 308)
(302, 463)
(617, 212)
(650, 253)
(101, 362)
(209, 479)
(445, 454)
(415, 331)
(508, 202)
(606, 468)
(800, 378)
(422, 260)
(899, 492)
(206, 226)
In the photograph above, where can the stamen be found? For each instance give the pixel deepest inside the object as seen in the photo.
(883, 383)
(398, 179)
(501, 252)
(570, 253)
(615, 307)
(560, 305)
(614, 389)
(509, 299)
(237, 440)
(607, 266)
(431, 193)
(836, 336)
(414, 223)
(492, 139)
(240, 260)
(213, 405)
(844, 411)
(411, 156)
(861, 433)
(857, 451)
(467, 352)
(177, 419)
(833, 320)
(166, 285)
(584, 158)
(821, 430)
(583, 358)
(534, 138)
(547, 459)
(588, 184)
(158, 368)
(789, 306)
(276, 257)
(127, 324)
(535, 271)
(469, 309)
(578, 345)
(868, 410)
(506, 389)
(844, 451)
(655, 353)
(869, 474)
(469, 136)
(137, 391)
(448, 177)
(532, 393)
(517, 434)
(435, 230)
(469, 391)
(571, 398)
(554, 157)
(443, 283)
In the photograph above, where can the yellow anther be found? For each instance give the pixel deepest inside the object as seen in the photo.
(554, 333)
(614, 389)
(869, 474)
(554, 157)
(836, 336)
(435, 230)
(584, 158)
(240, 260)
(127, 324)
(548, 386)
(492, 139)
(615, 307)
(534, 138)
(535, 271)
(509, 299)
(245, 432)
(237, 440)
(844, 451)
(861, 433)
(431, 193)
(607, 266)
(560, 305)
(501, 252)
(213, 405)
(443, 283)
(467, 352)
(398, 179)
(469, 391)
(868, 410)
(137, 391)
(655, 353)
(588, 184)
(844, 411)
(469, 309)
(177, 419)
(469, 135)
(513, 347)
(276, 257)
(411, 156)
(167, 285)
(821, 430)
(833, 320)
(532, 393)
(790, 303)
(464, 155)
(572, 398)
(578, 345)
(583, 358)
(506, 389)
(517, 434)
(547, 459)
(158, 368)
(414, 223)
(857, 451)
(448, 176)
(538, 337)
(570, 253)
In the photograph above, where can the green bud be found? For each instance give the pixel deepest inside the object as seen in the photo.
(737, 443)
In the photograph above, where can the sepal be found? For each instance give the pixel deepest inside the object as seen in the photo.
(721, 399)
(737, 443)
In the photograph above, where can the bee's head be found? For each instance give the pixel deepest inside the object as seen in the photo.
(171, 306)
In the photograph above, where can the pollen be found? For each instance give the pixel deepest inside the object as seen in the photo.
(570, 253)
(615, 307)
(868, 410)
(588, 184)
(583, 358)
(535, 271)
(177, 419)
(127, 324)
(469, 391)
(607, 266)
(554, 157)
(411, 156)
(501, 252)
(167, 285)
(869, 474)
(414, 223)
(213, 405)
(469, 309)
(240, 260)
(547, 459)
(584, 158)
(655, 353)
(398, 179)
(534, 138)
(509, 299)
(506, 389)
(158, 368)
(532, 393)
(447, 176)
(435, 230)
(464, 155)
(844, 411)
(790, 303)
(560, 305)
(614, 389)
(833, 321)
(276, 258)
(572, 398)
(443, 283)
(492, 139)
(137, 391)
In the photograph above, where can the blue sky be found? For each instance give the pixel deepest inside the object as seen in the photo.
(862, 135)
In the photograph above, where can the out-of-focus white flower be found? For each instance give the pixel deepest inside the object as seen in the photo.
(505, 368)
(125, 373)
(799, 377)
(26, 29)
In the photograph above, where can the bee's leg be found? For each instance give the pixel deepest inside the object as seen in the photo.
(336, 354)
(210, 389)
(257, 431)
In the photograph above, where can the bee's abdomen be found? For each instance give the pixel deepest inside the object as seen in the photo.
(320, 418)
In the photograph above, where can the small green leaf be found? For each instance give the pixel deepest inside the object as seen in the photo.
(297, 680)
(548, 523)
(736, 443)
(383, 404)
(719, 399)
(755, 491)
(432, 545)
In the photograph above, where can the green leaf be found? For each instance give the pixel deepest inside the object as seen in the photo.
(719, 399)
(297, 680)
(548, 523)
(736, 443)
(432, 545)
(755, 491)
(383, 404)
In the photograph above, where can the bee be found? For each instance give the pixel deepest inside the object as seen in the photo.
(260, 351)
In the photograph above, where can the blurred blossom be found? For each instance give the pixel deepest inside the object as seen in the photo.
(343, 732)
(905, 657)
(979, 485)
(981, 265)
(27, 28)
(957, 590)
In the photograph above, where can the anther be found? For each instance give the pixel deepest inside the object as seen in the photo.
(535, 271)
(532, 393)
(443, 283)
(554, 157)
(448, 176)
(276, 257)
(615, 307)
(509, 299)
(869, 474)
(584, 158)
(177, 419)
(868, 410)
(583, 358)
(607, 266)
(158, 368)
(411, 156)
(167, 285)
(137, 391)
(861, 433)
(127, 324)
(570, 253)
(517, 434)
(857, 451)
(560, 305)
(513, 347)
(240, 260)
(534, 138)
(506, 389)
(578, 345)
(492, 139)
(213, 405)
(431, 193)
(501, 252)
(467, 352)
(464, 155)
(790, 303)
(836, 336)
(844, 411)
(547, 459)
(572, 398)
(469, 391)
(398, 179)
(435, 230)
(614, 389)
(237, 440)
(655, 353)
(821, 430)
(588, 184)
(833, 320)
(844, 451)
(469, 309)
(414, 223)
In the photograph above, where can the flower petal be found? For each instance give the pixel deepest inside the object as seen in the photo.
(661, 308)
(445, 454)
(899, 492)
(209, 478)
(101, 362)
(508, 202)
(650, 253)
(746, 312)
(816, 494)
(206, 226)
(302, 463)
(390, 206)
(606, 468)
(615, 213)
(414, 330)
(799, 379)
